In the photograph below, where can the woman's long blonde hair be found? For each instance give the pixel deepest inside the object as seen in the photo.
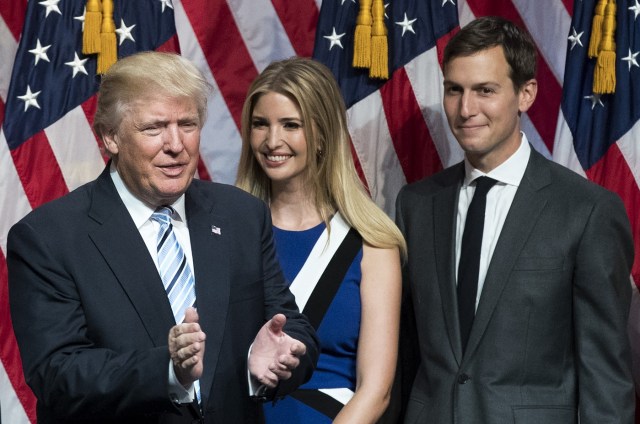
(330, 171)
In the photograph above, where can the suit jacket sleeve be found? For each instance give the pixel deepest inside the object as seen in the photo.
(68, 370)
(409, 351)
(601, 299)
(278, 299)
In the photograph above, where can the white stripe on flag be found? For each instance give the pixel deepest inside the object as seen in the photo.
(262, 31)
(7, 53)
(11, 193)
(549, 30)
(630, 148)
(75, 148)
(533, 136)
(382, 170)
(220, 140)
(425, 76)
(563, 151)
(11, 409)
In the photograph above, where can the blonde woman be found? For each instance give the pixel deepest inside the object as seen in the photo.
(340, 252)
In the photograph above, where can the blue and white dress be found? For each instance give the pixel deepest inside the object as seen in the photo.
(306, 258)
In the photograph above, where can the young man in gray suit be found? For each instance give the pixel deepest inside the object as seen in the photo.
(518, 300)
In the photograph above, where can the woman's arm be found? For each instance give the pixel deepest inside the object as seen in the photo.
(380, 291)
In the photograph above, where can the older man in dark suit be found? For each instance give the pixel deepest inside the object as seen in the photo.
(518, 270)
(103, 281)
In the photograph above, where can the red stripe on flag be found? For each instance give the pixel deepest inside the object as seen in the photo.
(172, 45)
(89, 108)
(38, 170)
(568, 4)
(550, 95)
(613, 173)
(411, 138)
(442, 42)
(13, 13)
(225, 51)
(299, 23)
(358, 166)
(9, 353)
(547, 100)
(203, 173)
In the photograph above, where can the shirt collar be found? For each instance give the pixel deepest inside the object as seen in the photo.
(140, 212)
(509, 172)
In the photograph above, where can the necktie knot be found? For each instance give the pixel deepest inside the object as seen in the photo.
(162, 215)
(483, 185)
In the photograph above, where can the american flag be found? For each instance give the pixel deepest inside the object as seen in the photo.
(399, 133)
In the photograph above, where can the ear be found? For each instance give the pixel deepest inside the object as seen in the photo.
(527, 95)
(111, 142)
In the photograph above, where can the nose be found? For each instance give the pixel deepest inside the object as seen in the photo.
(173, 139)
(274, 137)
(467, 105)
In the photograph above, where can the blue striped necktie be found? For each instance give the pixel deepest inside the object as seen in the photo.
(174, 270)
(173, 266)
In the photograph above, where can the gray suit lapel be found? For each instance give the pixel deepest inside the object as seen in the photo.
(444, 213)
(525, 210)
(119, 241)
(211, 268)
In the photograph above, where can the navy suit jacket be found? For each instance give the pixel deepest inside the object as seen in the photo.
(549, 338)
(92, 318)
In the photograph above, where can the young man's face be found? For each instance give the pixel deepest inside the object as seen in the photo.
(483, 107)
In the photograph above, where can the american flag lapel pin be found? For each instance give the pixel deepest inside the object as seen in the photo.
(215, 230)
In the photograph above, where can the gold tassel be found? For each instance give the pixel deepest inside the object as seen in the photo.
(596, 29)
(604, 77)
(91, 32)
(379, 47)
(362, 36)
(108, 52)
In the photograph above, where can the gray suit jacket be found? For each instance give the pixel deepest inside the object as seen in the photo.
(92, 318)
(549, 339)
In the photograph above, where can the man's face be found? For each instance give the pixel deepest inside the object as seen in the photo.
(156, 148)
(483, 108)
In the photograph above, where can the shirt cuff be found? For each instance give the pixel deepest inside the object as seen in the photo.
(177, 392)
(256, 390)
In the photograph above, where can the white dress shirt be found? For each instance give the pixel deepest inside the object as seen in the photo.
(508, 176)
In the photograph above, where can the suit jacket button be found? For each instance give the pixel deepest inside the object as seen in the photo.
(463, 378)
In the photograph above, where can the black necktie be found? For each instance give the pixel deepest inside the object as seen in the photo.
(470, 257)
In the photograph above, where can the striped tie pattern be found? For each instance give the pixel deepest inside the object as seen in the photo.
(173, 266)
(175, 270)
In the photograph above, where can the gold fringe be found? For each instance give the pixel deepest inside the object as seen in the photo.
(362, 36)
(379, 58)
(108, 50)
(91, 32)
(379, 45)
(604, 77)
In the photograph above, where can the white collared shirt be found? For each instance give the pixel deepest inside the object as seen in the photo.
(141, 215)
(509, 175)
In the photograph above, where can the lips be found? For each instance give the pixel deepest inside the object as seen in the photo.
(172, 170)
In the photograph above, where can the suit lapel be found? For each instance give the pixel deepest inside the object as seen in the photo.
(212, 275)
(444, 213)
(527, 206)
(119, 241)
